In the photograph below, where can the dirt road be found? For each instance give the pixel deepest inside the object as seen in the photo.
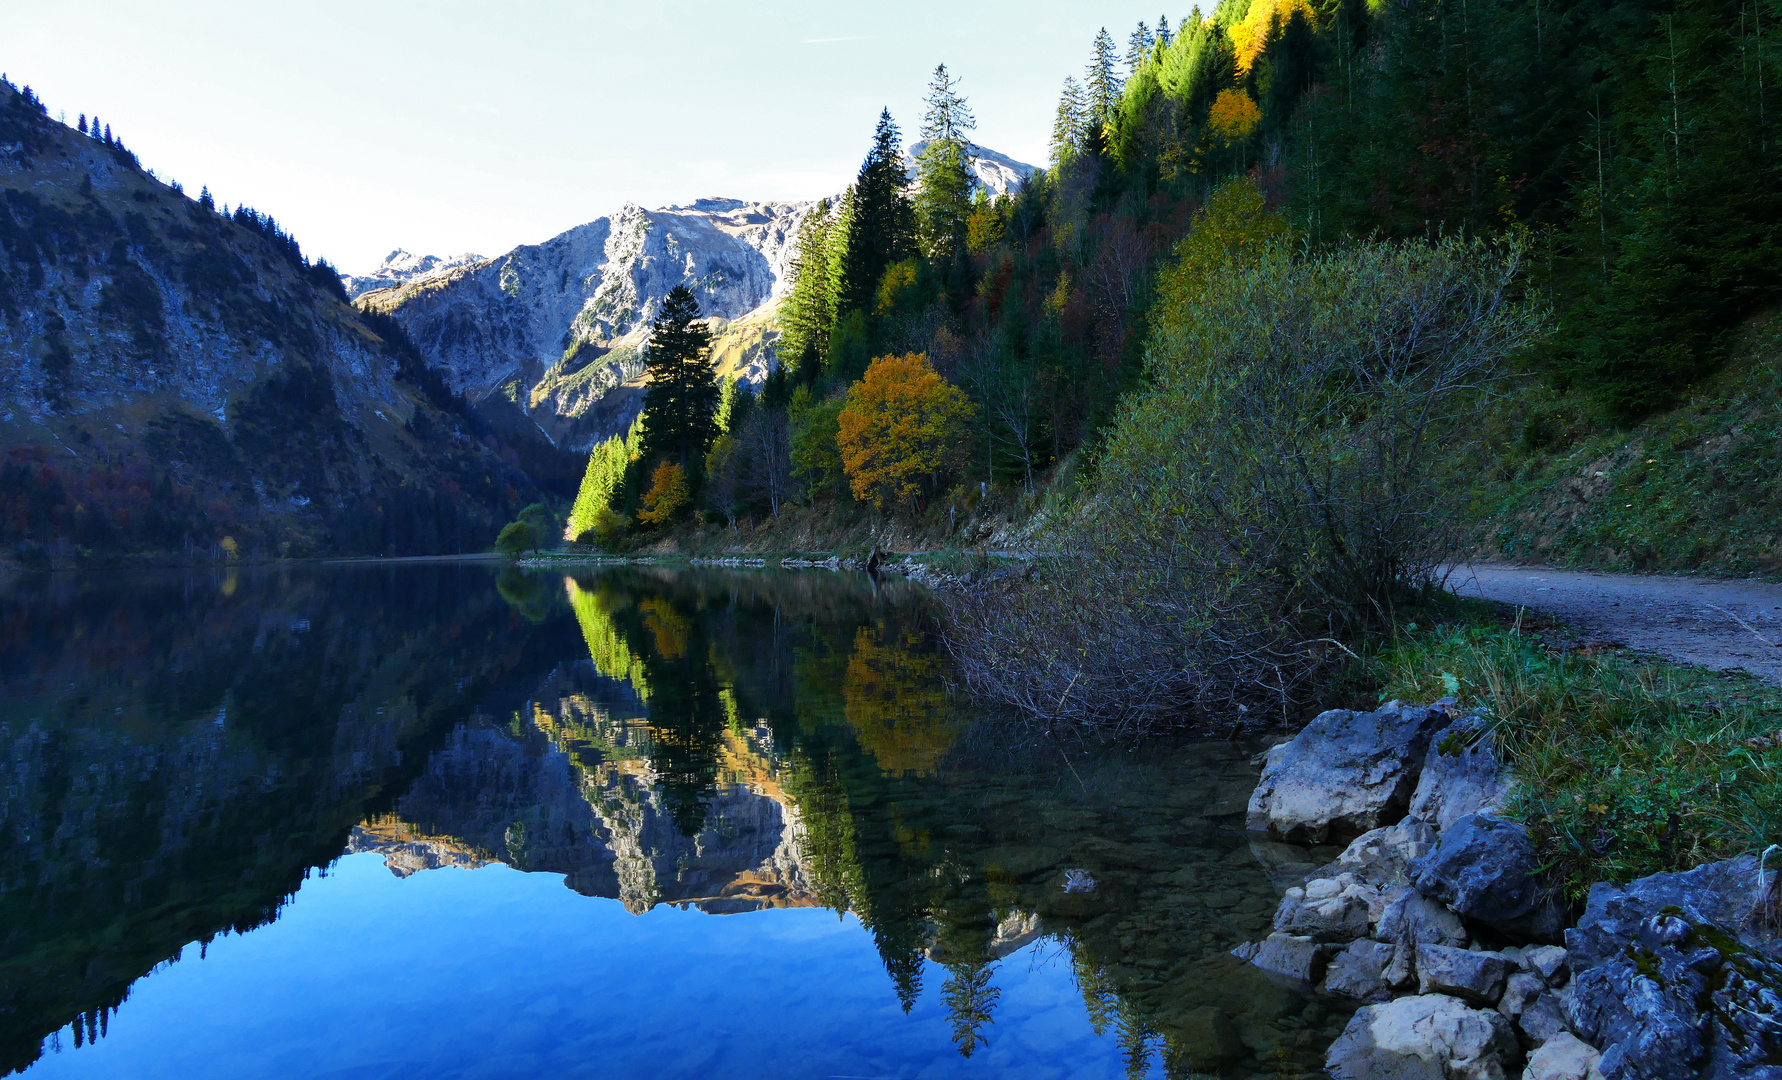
(1694, 620)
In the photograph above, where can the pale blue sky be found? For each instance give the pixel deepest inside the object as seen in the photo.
(453, 126)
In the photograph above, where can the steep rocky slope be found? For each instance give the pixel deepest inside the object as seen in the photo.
(545, 340)
(177, 380)
(539, 337)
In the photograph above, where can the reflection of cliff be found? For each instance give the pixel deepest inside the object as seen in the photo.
(568, 788)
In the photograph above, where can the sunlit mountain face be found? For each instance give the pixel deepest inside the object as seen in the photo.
(415, 819)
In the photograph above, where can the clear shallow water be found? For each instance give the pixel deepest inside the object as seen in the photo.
(436, 820)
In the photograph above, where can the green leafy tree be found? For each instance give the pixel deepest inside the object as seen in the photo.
(816, 459)
(603, 481)
(525, 533)
(680, 418)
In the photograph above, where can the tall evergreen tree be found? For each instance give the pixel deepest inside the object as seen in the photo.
(1164, 37)
(680, 410)
(809, 309)
(1138, 47)
(943, 172)
(1102, 82)
(883, 219)
(1068, 126)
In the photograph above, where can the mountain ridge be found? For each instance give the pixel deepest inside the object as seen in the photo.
(546, 341)
(178, 379)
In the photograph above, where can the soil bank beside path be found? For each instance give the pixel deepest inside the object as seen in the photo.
(1716, 623)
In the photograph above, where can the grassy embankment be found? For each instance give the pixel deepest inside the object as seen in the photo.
(1693, 490)
(1626, 765)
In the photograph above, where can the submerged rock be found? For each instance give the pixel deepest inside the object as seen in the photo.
(1344, 774)
(1289, 956)
(1427, 1036)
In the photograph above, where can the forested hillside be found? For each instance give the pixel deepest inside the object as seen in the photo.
(179, 380)
(1628, 151)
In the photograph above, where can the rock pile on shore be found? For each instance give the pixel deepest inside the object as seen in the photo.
(1438, 915)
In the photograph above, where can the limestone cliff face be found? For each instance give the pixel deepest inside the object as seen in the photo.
(164, 361)
(554, 329)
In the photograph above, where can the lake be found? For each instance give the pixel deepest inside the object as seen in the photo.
(458, 820)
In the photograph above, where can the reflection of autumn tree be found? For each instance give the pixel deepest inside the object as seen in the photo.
(667, 627)
(896, 701)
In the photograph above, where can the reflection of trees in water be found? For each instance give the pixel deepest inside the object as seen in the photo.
(192, 751)
(525, 593)
(896, 698)
(970, 999)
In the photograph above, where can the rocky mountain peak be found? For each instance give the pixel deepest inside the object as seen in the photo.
(401, 267)
(547, 339)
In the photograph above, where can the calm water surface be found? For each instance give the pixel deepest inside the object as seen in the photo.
(453, 821)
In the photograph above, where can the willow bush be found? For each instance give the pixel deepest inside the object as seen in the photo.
(1291, 473)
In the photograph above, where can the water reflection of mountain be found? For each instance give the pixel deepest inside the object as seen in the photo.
(568, 787)
(182, 751)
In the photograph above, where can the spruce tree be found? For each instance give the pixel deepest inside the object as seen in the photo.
(880, 231)
(1068, 126)
(680, 419)
(943, 201)
(1164, 37)
(809, 309)
(1102, 82)
(1138, 47)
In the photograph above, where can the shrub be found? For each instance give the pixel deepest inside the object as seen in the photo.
(1287, 478)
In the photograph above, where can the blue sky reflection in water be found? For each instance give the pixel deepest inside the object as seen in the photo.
(626, 806)
(497, 973)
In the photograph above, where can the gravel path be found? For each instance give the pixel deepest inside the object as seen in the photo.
(1693, 620)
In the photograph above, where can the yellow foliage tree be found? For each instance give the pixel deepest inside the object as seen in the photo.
(667, 494)
(1233, 116)
(1235, 228)
(902, 424)
(1250, 34)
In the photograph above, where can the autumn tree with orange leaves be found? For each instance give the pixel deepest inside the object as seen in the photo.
(902, 427)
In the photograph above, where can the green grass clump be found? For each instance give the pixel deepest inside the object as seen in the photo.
(1624, 767)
